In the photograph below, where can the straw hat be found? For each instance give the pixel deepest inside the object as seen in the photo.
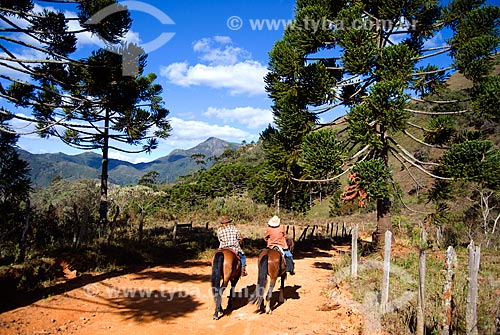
(274, 222)
(225, 219)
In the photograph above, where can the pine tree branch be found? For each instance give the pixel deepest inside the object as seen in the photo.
(319, 111)
(26, 68)
(436, 113)
(348, 79)
(425, 143)
(419, 167)
(34, 47)
(408, 154)
(437, 101)
(431, 72)
(433, 54)
(336, 122)
(340, 174)
(419, 127)
(408, 171)
(404, 204)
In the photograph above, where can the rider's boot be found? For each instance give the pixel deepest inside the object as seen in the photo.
(244, 271)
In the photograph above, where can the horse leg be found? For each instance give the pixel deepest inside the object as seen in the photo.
(218, 303)
(269, 295)
(231, 295)
(282, 289)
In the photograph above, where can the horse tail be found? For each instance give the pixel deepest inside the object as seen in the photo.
(217, 272)
(261, 279)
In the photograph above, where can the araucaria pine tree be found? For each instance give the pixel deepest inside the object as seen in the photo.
(359, 70)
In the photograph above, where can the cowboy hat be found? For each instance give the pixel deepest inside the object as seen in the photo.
(225, 219)
(274, 222)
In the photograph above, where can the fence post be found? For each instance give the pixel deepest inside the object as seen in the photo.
(472, 289)
(384, 298)
(421, 285)
(354, 252)
(303, 235)
(451, 259)
(174, 232)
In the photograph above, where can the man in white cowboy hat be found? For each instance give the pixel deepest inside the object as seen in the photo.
(275, 235)
(230, 237)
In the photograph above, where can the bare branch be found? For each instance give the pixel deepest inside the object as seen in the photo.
(437, 101)
(436, 113)
(408, 154)
(424, 143)
(419, 167)
(430, 72)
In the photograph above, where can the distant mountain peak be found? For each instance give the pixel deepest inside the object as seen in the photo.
(44, 167)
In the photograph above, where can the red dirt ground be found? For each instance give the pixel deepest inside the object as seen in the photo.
(180, 303)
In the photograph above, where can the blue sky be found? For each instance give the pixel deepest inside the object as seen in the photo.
(211, 69)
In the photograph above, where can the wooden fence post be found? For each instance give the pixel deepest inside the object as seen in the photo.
(421, 285)
(303, 235)
(451, 259)
(384, 297)
(472, 289)
(354, 252)
(174, 232)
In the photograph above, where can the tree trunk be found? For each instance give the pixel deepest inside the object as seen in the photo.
(22, 247)
(384, 218)
(103, 204)
(384, 221)
(141, 223)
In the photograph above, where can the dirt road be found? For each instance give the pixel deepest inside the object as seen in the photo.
(177, 300)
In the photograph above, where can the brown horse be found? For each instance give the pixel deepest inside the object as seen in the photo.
(226, 268)
(271, 263)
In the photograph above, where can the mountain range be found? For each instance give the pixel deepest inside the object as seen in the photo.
(45, 167)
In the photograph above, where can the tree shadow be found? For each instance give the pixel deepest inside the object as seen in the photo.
(323, 265)
(172, 276)
(160, 305)
(14, 299)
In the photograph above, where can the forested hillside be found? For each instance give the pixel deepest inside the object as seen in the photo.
(45, 167)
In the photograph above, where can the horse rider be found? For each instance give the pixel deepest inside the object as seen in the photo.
(230, 237)
(275, 235)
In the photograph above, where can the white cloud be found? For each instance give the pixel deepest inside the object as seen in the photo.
(436, 41)
(220, 51)
(190, 131)
(241, 78)
(224, 66)
(254, 118)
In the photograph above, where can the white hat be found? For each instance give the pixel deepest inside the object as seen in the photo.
(274, 222)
